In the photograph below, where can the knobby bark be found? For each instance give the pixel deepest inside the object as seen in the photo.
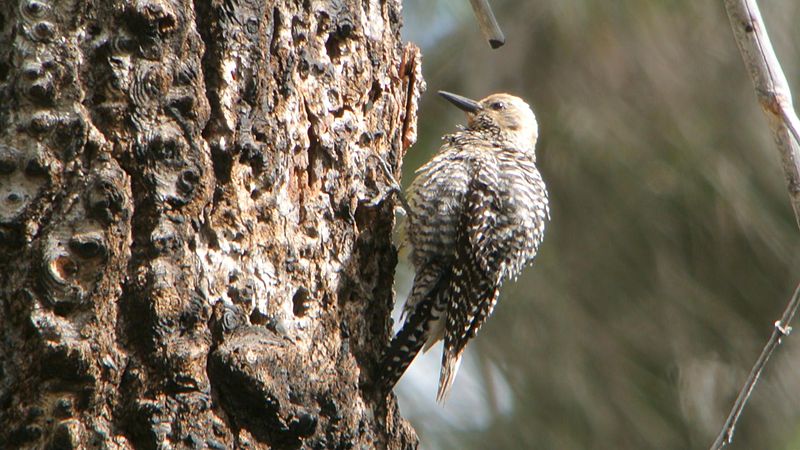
(195, 243)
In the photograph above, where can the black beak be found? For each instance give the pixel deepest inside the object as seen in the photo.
(463, 103)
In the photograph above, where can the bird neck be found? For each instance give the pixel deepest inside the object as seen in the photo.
(494, 137)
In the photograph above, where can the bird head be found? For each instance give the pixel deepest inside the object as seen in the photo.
(505, 114)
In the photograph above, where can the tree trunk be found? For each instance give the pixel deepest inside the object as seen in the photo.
(195, 243)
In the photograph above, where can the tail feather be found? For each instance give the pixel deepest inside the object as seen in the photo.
(450, 364)
(425, 281)
(435, 334)
(405, 346)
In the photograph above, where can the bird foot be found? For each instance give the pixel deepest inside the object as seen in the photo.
(394, 186)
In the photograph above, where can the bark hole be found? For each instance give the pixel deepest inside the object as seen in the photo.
(332, 46)
(258, 318)
(300, 302)
(66, 267)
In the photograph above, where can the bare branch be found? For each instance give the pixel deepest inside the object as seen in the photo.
(771, 88)
(486, 20)
(775, 98)
(790, 117)
(780, 330)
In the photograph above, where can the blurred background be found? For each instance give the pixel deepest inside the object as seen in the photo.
(672, 247)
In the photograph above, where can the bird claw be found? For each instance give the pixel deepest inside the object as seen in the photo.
(394, 187)
(381, 197)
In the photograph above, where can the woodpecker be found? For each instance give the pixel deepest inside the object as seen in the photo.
(476, 217)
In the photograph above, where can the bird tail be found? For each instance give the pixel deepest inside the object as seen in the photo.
(405, 346)
(451, 361)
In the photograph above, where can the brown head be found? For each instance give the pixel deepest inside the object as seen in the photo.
(506, 114)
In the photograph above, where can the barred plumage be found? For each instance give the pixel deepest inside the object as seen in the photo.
(477, 216)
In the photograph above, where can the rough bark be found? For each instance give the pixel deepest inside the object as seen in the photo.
(195, 243)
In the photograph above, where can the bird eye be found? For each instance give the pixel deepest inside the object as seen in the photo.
(497, 106)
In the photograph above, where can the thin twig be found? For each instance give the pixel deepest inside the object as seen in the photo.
(792, 122)
(487, 22)
(775, 98)
(780, 330)
(771, 88)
